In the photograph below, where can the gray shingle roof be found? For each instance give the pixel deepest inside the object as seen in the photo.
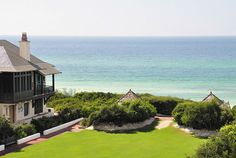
(11, 61)
(212, 97)
(129, 96)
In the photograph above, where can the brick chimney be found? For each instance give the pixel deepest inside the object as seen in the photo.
(25, 47)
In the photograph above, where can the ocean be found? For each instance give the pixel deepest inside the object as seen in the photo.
(185, 67)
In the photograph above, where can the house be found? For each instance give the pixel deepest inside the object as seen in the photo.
(23, 89)
(212, 97)
(129, 96)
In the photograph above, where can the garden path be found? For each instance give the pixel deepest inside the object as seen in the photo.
(164, 122)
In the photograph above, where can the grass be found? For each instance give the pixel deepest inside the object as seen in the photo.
(165, 143)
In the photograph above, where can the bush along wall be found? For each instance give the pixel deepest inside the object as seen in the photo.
(200, 115)
(6, 131)
(64, 116)
(9, 134)
(24, 130)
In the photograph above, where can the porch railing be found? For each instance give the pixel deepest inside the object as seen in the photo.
(10, 97)
(43, 89)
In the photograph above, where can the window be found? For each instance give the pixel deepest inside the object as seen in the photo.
(6, 111)
(23, 81)
(17, 84)
(38, 106)
(26, 109)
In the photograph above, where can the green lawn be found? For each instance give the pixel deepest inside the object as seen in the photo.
(164, 143)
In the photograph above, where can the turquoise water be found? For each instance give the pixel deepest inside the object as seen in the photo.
(186, 67)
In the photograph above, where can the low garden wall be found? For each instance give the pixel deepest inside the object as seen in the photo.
(125, 127)
(60, 127)
(197, 132)
(2, 147)
(28, 138)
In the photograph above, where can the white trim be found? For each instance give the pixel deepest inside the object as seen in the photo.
(60, 127)
(29, 138)
(2, 147)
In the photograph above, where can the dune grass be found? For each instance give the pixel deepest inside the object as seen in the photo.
(164, 143)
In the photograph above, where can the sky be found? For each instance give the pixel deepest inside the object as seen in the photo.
(118, 17)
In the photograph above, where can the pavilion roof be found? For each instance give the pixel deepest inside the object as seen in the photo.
(130, 95)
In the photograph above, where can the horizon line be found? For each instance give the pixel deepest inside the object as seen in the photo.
(124, 35)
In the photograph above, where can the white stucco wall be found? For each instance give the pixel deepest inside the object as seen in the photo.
(20, 111)
(1, 109)
(4, 111)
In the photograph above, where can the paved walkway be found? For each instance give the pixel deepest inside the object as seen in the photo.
(14, 148)
(164, 122)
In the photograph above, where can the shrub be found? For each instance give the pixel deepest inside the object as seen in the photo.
(64, 116)
(202, 115)
(134, 111)
(226, 116)
(223, 145)
(44, 123)
(91, 96)
(24, 130)
(178, 112)
(164, 105)
(234, 112)
(67, 115)
(63, 102)
(139, 110)
(57, 96)
(6, 130)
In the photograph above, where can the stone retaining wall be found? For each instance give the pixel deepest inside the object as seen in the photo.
(125, 127)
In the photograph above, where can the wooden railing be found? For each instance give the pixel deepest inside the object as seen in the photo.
(6, 96)
(25, 94)
(19, 96)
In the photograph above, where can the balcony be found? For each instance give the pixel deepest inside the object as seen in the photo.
(48, 89)
(27, 95)
(23, 95)
(43, 89)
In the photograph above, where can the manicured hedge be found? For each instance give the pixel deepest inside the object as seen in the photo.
(202, 115)
(128, 112)
(223, 145)
(164, 105)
